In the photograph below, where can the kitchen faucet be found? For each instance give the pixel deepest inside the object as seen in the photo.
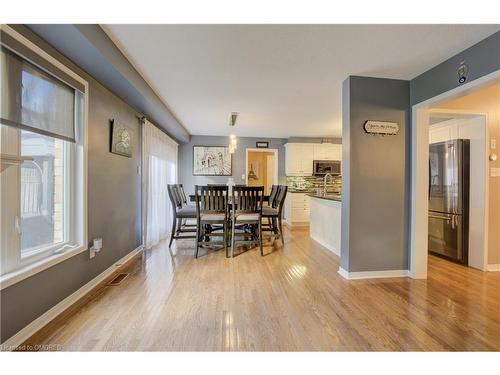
(327, 177)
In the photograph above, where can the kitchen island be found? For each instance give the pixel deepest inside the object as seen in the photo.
(325, 220)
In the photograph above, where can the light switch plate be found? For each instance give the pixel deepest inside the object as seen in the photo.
(495, 172)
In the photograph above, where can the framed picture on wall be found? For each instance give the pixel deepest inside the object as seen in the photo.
(212, 161)
(121, 142)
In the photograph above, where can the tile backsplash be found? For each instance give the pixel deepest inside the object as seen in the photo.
(311, 183)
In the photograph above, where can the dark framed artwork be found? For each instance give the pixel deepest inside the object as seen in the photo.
(212, 161)
(121, 141)
(262, 144)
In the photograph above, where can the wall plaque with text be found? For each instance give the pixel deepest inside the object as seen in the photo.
(381, 127)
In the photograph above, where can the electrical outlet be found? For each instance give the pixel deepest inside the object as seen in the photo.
(96, 247)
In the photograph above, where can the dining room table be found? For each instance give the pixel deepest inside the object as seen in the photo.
(192, 198)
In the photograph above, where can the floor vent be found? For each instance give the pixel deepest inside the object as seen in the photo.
(118, 279)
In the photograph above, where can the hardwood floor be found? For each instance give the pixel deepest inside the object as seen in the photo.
(292, 299)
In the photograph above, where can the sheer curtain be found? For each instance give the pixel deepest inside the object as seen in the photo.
(159, 169)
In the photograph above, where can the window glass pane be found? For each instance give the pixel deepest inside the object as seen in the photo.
(42, 192)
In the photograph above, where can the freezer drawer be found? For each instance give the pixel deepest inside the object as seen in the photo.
(447, 236)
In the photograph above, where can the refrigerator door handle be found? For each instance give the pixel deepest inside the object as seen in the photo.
(440, 217)
(429, 190)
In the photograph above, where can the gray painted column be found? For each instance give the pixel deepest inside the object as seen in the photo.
(374, 191)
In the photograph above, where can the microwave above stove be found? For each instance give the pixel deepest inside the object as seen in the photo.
(322, 167)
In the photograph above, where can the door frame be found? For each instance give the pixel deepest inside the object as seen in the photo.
(273, 150)
(420, 169)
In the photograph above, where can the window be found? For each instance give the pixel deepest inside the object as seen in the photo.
(42, 175)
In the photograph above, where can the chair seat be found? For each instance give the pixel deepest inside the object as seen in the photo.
(247, 217)
(212, 217)
(186, 212)
(269, 211)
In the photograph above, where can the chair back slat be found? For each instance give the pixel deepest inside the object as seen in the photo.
(248, 199)
(175, 195)
(211, 198)
(280, 198)
(182, 193)
(272, 196)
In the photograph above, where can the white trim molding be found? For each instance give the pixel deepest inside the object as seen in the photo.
(372, 274)
(493, 267)
(24, 334)
(275, 151)
(420, 113)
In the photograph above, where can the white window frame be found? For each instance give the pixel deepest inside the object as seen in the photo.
(75, 174)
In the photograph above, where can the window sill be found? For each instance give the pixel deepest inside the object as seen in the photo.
(16, 276)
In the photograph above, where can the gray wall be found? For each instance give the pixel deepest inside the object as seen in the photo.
(482, 58)
(186, 159)
(375, 191)
(114, 211)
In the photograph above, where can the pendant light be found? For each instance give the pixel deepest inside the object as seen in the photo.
(233, 143)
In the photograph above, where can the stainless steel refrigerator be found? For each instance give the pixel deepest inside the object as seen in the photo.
(449, 199)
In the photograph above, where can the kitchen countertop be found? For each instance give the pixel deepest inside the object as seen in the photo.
(331, 197)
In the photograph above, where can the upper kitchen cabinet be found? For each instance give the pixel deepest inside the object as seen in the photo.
(300, 156)
(299, 159)
(327, 151)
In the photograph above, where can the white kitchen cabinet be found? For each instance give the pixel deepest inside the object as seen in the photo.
(299, 159)
(297, 209)
(327, 151)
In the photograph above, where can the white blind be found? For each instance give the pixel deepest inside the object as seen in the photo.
(34, 100)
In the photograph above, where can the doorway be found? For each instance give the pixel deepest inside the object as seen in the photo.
(262, 168)
(422, 116)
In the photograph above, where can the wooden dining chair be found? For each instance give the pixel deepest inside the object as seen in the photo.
(181, 212)
(272, 195)
(274, 214)
(212, 213)
(247, 212)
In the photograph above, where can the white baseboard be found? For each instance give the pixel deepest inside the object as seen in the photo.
(493, 267)
(37, 324)
(372, 274)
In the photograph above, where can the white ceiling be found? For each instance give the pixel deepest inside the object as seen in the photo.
(285, 80)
